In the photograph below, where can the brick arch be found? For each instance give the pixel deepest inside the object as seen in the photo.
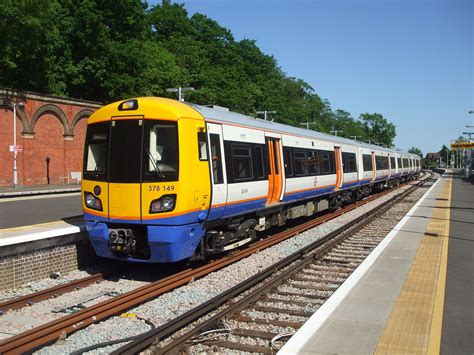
(56, 112)
(79, 116)
(21, 115)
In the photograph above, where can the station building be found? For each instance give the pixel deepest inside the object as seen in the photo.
(50, 133)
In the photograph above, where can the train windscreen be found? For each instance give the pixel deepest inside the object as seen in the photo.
(131, 151)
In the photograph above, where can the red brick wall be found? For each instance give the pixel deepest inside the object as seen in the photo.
(45, 133)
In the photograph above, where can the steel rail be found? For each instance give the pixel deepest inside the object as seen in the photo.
(306, 255)
(49, 332)
(51, 292)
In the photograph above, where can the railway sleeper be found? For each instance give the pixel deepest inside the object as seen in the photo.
(219, 346)
(325, 273)
(307, 303)
(280, 323)
(313, 297)
(281, 311)
(321, 266)
(351, 250)
(320, 287)
(253, 333)
(318, 280)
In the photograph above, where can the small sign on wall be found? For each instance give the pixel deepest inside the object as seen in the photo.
(16, 148)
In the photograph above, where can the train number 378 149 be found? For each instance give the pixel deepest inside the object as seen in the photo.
(160, 188)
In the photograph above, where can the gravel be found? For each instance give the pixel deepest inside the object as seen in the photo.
(36, 286)
(175, 303)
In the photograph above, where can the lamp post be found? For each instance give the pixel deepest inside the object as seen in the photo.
(306, 124)
(180, 91)
(15, 170)
(335, 131)
(265, 113)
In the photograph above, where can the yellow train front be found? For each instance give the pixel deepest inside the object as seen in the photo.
(145, 188)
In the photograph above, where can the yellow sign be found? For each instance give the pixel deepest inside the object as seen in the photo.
(462, 145)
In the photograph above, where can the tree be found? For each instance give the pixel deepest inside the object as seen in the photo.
(415, 150)
(106, 50)
(378, 129)
(445, 153)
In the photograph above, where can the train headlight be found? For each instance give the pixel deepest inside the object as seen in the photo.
(165, 203)
(92, 202)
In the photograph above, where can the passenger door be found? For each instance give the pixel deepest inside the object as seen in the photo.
(275, 176)
(339, 171)
(218, 169)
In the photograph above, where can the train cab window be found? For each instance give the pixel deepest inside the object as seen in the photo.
(202, 146)
(95, 152)
(392, 162)
(349, 163)
(288, 162)
(367, 162)
(242, 162)
(216, 159)
(160, 150)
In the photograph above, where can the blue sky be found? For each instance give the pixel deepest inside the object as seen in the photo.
(411, 60)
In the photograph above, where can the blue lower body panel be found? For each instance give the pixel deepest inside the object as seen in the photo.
(167, 243)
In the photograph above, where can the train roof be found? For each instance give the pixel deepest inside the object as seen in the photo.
(226, 116)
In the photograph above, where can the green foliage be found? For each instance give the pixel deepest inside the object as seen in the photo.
(106, 50)
(378, 128)
(415, 150)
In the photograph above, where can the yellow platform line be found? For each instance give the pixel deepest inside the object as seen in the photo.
(434, 344)
(415, 323)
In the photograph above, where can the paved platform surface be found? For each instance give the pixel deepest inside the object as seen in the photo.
(6, 192)
(415, 293)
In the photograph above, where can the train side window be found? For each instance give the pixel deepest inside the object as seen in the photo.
(216, 159)
(288, 162)
(202, 147)
(367, 162)
(276, 153)
(259, 162)
(392, 162)
(313, 162)
(242, 162)
(325, 162)
(349, 162)
(300, 164)
(399, 161)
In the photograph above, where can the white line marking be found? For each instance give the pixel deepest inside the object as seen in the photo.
(306, 332)
(24, 198)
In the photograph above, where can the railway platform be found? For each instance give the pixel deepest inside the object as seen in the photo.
(414, 293)
(8, 192)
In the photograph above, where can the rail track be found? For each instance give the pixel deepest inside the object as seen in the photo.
(52, 292)
(278, 300)
(47, 333)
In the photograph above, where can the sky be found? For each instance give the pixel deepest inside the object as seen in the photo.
(410, 60)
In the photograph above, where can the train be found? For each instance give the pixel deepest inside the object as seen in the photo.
(165, 181)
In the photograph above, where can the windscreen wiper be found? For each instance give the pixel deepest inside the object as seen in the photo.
(157, 170)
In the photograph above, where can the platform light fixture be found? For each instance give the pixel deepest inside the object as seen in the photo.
(306, 124)
(265, 113)
(20, 104)
(336, 131)
(180, 90)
